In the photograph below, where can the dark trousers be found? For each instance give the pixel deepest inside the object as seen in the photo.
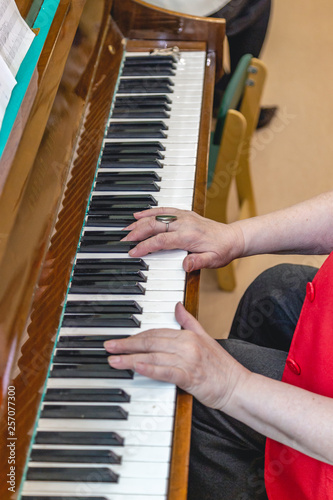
(227, 457)
(246, 27)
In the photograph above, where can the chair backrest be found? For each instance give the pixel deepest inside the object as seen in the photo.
(244, 93)
(232, 95)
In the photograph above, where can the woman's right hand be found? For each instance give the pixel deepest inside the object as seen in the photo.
(211, 244)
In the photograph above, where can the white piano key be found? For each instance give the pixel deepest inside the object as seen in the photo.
(125, 487)
(161, 255)
(169, 172)
(175, 123)
(134, 408)
(158, 392)
(126, 470)
(127, 453)
(142, 443)
(35, 496)
(133, 423)
(116, 331)
(179, 193)
(137, 382)
(155, 297)
(173, 184)
(165, 285)
(153, 264)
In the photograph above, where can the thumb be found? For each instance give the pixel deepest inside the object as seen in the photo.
(205, 260)
(187, 321)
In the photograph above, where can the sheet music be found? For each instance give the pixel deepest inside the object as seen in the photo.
(7, 83)
(15, 35)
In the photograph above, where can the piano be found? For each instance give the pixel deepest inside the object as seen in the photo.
(116, 118)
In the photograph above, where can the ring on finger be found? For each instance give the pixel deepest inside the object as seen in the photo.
(166, 219)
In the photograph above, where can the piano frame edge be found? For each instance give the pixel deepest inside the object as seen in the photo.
(182, 429)
(179, 468)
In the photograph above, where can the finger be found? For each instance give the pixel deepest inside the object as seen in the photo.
(203, 260)
(148, 341)
(157, 211)
(165, 372)
(145, 228)
(187, 321)
(161, 241)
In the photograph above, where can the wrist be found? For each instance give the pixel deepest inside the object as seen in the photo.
(237, 249)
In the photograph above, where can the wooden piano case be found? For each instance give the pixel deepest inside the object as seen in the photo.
(46, 172)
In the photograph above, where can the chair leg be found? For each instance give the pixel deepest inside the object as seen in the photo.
(225, 170)
(244, 188)
(226, 277)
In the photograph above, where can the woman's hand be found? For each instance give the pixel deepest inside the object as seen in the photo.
(189, 358)
(211, 244)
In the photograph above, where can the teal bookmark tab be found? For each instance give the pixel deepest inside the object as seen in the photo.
(42, 23)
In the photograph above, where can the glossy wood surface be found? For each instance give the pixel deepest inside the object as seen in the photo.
(62, 172)
(139, 20)
(50, 202)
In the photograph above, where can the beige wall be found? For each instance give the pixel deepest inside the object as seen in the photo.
(293, 157)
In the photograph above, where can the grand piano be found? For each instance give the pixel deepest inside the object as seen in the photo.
(117, 112)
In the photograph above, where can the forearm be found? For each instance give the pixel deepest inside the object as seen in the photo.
(288, 414)
(305, 228)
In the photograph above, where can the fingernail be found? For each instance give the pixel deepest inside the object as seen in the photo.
(114, 360)
(190, 265)
(109, 345)
(133, 251)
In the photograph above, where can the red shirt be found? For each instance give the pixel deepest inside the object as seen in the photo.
(290, 474)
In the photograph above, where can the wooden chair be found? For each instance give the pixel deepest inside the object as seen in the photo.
(230, 150)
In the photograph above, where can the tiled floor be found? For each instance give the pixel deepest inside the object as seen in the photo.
(292, 158)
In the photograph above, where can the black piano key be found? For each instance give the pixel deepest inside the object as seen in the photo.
(101, 306)
(123, 209)
(112, 274)
(134, 101)
(160, 58)
(133, 148)
(104, 235)
(89, 371)
(154, 129)
(116, 199)
(108, 200)
(75, 456)
(96, 220)
(106, 412)
(152, 88)
(148, 71)
(85, 438)
(80, 356)
(48, 497)
(145, 85)
(129, 176)
(130, 163)
(140, 155)
(86, 341)
(114, 206)
(132, 263)
(107, 286)
(128, 185)
(88, 395)
(139, 103)
(146, 82)
(73, 474)
(100, 320)
(107, 246)
(144, 113)
(128, 263)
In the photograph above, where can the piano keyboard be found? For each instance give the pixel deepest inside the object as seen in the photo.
(106, 434)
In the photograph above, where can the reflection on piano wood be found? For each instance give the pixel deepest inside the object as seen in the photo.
(47, 171)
